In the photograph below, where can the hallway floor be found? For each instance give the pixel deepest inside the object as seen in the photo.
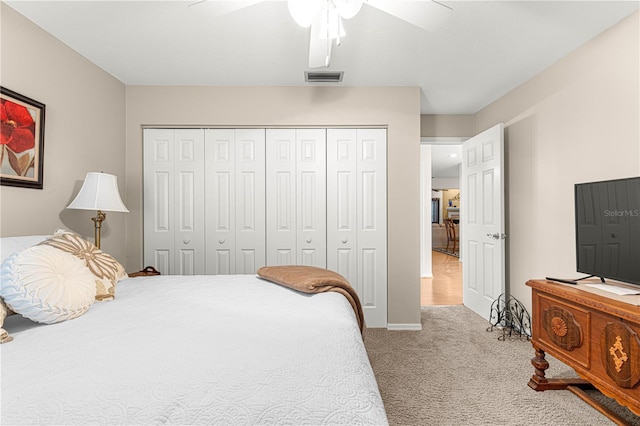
(445, 288)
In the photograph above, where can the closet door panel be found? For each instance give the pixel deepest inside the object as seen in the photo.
(371, 283)
(158, 199)
(250, 200)
(189, 198)
(341, 203)
(173, 200)
(220, 200)
(311, 196)
(281, 186)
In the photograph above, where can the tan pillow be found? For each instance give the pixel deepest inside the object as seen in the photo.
(106, 270)
(4, 312)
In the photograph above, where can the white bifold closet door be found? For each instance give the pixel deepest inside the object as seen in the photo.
(173, 200)
(356, 215)
(296, 207)
(235, 200)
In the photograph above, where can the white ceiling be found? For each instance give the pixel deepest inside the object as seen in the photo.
(486, 49)
(445, 160)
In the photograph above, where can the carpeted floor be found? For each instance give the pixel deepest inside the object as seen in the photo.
(454, 372)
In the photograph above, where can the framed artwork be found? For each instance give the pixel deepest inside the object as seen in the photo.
(21, 140)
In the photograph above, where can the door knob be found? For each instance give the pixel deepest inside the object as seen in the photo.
(497, 236)
(186, 241)
(221, 241)
(308, 240)
(344, 241)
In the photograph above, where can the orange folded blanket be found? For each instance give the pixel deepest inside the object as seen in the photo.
(310, 279)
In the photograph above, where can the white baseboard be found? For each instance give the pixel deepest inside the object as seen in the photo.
(409, 327)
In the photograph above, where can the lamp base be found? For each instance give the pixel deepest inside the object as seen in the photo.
(97, 221)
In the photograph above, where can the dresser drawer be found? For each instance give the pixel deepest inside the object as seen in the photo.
(564, 327)
(616, 352)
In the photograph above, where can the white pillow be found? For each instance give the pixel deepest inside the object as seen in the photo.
(106, 269)
(10, 245)
(46, 285)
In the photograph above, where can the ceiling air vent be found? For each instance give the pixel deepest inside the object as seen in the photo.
(323, 76)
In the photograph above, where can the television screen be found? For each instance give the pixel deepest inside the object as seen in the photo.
(608, 229)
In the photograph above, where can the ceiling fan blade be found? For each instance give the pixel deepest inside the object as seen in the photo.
(319, 49)
(426, 14)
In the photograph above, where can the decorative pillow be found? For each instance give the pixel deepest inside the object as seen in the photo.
(4, 312)
(10, 245)
(46, 285)
(106, 270)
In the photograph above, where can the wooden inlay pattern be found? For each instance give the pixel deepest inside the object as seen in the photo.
(621, 354)
(616, 349)
(562, 328)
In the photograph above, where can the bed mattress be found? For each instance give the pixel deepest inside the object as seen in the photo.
(232, 350)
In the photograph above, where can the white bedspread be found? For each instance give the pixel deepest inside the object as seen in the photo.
(228, 350)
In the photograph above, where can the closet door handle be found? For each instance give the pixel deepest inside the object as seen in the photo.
(221, 241)
(186, 241)
(308, 240)
(344, 241)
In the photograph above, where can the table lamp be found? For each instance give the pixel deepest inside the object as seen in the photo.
(99, 192)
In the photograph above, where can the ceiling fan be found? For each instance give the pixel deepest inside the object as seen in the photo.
(324, 17)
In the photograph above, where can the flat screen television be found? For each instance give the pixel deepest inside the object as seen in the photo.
(608, 229)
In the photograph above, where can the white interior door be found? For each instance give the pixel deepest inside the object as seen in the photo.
(220, 203)
(173, 200)
(158, 198)
(311, 197)
(250, 196)
(372, 224)
(281, 208)
(482, 196)
(235, 200)
(342, 228)
(189, 209)
(356, 215)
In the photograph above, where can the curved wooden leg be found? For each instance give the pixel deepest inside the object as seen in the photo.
(540, 364)
(540, 383)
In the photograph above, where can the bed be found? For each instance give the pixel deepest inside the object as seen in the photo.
(188, 350)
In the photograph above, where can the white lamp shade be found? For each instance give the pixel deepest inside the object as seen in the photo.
(99, 192)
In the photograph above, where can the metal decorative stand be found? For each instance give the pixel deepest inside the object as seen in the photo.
(511, 317)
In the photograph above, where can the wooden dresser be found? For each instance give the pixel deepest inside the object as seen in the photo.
(596, 335)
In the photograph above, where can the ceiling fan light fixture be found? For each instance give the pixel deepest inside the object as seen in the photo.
(304, 11)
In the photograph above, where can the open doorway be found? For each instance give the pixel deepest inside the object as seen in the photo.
(441, 267)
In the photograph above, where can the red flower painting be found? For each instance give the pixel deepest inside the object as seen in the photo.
(21, 140)
(18, 127)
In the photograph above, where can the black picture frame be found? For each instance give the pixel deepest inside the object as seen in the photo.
(22, 143)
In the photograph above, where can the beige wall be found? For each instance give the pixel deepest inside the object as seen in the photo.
(453, 125)
(577, 121)
(84, 131)
(395, 107)
(449, 194)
